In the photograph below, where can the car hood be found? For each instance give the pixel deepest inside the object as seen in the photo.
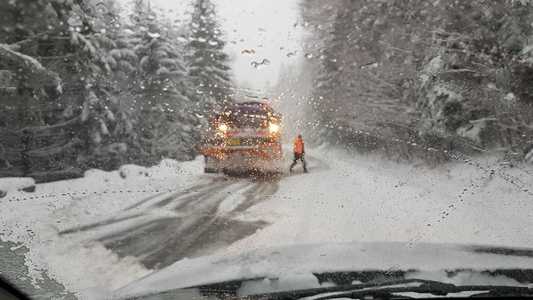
(306, 266)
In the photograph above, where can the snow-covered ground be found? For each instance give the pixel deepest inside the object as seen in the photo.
(362, 198)
(345, 198)
(35, 219)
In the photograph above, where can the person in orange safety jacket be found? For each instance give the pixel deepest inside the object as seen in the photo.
(299, 153)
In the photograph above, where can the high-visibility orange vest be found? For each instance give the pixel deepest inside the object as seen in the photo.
(298, 146)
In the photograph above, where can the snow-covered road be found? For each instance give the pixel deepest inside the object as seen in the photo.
(160, 230)
(101, 232)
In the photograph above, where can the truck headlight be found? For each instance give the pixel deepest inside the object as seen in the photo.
(223, 128)
(273, 128)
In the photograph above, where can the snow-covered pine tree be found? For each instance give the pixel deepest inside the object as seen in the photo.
(477, 77)
(164, 122)
(92, 27)
(69, 39)
(188, 123)
(330, 78)
(207, 63)
(121, 64)
(448, 74)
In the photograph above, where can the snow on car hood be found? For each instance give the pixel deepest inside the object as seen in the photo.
(302, 261)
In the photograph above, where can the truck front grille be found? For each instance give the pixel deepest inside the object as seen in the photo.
(249, 141)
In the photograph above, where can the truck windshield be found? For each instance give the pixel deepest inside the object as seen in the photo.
(247, 116)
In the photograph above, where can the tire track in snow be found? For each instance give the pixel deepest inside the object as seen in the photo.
(99, 224)
(260, 193)
(165, 228)
(138, 207)
(169, 197)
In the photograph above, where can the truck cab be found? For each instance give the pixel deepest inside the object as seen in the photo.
(244, 137)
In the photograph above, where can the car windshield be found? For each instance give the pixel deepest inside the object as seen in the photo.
(250, 147)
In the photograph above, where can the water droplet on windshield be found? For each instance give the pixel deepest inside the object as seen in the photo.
(257, 65)
(248, 51)
(291, 54)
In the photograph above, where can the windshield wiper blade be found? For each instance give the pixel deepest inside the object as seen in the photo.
(438, 290)
(390, 289)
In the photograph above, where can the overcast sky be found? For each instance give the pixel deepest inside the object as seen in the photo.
(266, 26)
